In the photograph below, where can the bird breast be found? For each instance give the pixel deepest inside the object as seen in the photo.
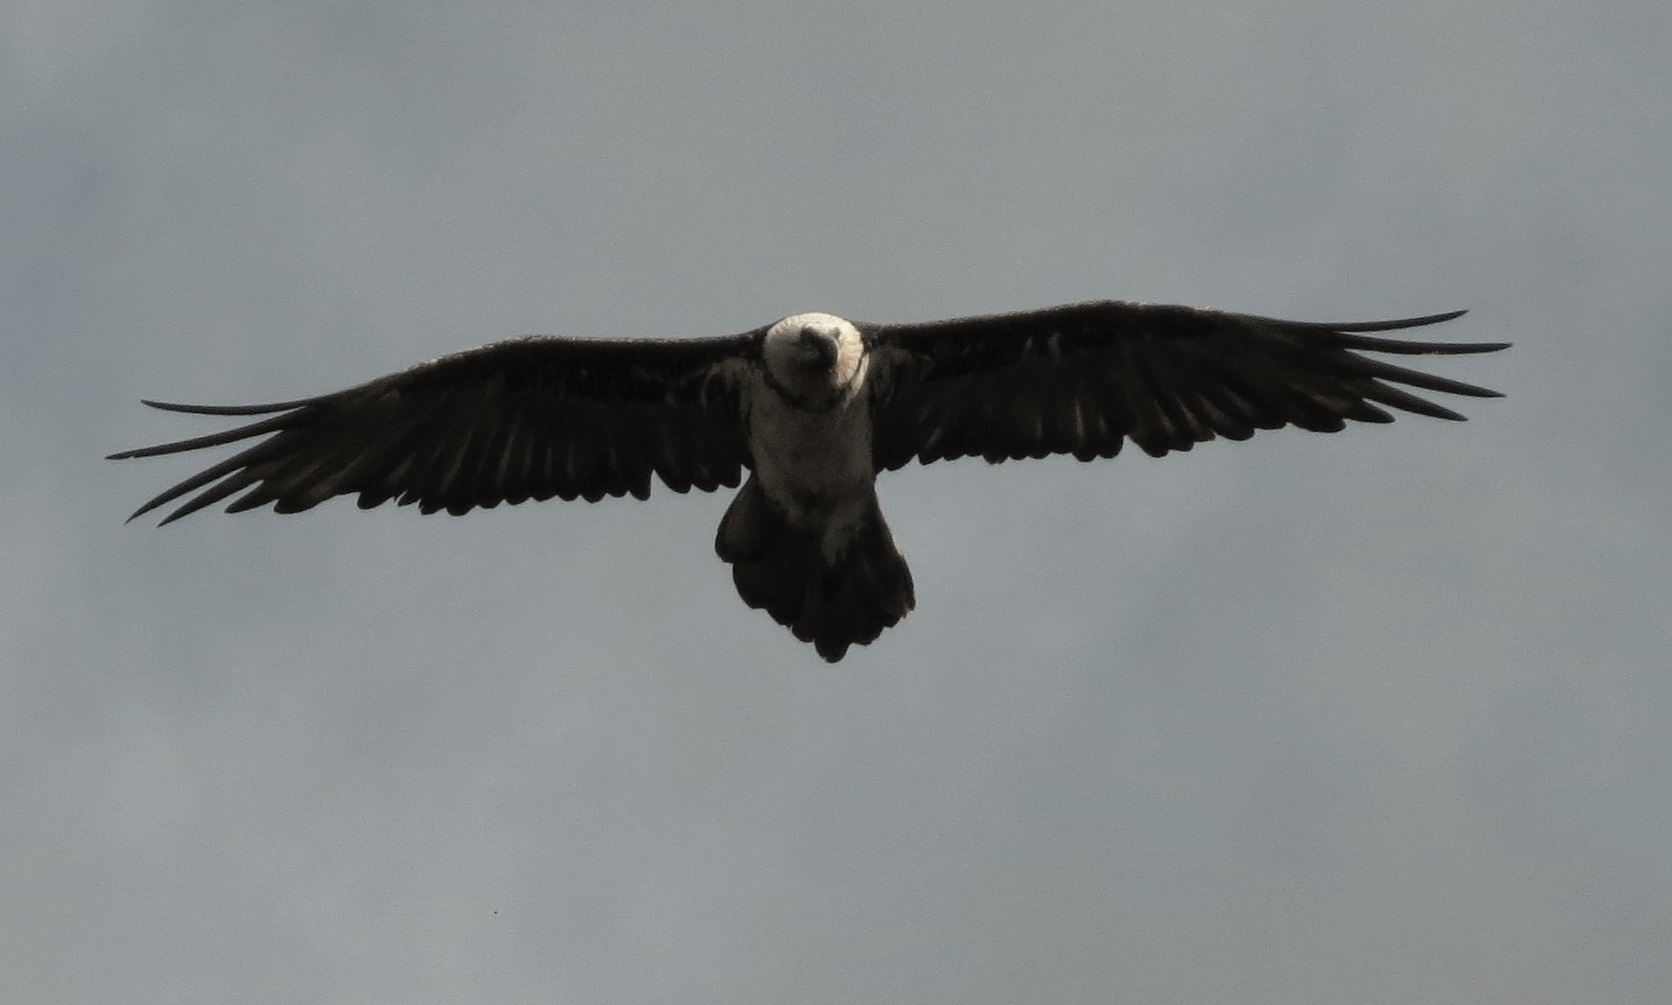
(816, 465)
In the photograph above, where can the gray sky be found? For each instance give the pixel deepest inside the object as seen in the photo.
(1377, 717)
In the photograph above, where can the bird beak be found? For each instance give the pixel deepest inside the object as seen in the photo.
(817, 349)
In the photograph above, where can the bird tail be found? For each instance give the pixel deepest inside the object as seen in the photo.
(781, 568)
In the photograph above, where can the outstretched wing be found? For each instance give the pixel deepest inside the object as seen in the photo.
(527, 418)
(1081, 378)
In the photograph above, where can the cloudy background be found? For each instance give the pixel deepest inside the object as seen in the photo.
(1377, 717)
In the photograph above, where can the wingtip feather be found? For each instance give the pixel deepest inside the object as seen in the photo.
(1396, 323)
(272, 406)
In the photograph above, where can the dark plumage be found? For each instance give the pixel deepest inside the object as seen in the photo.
(813, 407)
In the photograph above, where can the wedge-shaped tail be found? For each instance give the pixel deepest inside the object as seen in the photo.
(782, 569)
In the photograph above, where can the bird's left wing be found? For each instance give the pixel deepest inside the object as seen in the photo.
(527, 418)
(1083, 378)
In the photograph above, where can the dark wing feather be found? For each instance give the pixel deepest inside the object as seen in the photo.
(1082, 379)
(528, 418)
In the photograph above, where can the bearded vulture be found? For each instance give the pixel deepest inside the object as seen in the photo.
(811, 408)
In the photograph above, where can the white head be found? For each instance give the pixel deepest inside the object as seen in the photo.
(814, 359)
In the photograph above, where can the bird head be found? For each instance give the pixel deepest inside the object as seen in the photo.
(814, 356)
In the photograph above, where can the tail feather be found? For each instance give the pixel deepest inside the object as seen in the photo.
(781, 569)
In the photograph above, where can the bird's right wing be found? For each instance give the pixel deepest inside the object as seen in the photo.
(527, 418)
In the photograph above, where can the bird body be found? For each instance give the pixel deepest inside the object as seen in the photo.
(810, 424)
(812, 408)
(805, 537)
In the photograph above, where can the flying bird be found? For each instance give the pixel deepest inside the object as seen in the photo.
(811, 409)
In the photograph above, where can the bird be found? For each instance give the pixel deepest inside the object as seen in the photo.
(806, 412)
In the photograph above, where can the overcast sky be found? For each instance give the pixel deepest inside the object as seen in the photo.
(1377, 717)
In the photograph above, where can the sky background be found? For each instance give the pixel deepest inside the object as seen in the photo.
(1377, 717)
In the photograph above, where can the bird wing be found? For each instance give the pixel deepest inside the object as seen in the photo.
(1081, 378)
(527, 418)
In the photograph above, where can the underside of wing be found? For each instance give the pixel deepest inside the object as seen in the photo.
(530, 418)
(1083, 379)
